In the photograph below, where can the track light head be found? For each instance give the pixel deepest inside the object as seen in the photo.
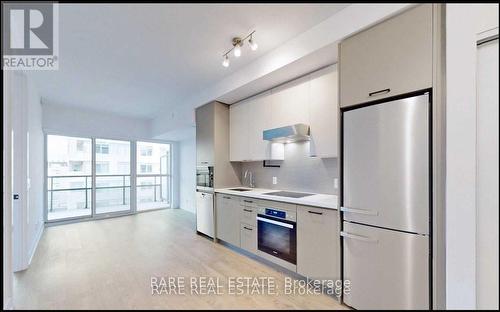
(253, 45)
(225, 62)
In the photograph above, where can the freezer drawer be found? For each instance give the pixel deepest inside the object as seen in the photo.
(387, 269)
(386, 164)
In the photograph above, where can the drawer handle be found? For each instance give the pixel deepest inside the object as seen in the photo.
(360, 211)
(226, 197)
(248, 201)
(358, 237)
(247, 228)
(379, 92)
(314, 212)
(248, 210)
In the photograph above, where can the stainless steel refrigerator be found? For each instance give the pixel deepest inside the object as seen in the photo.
(386, 173)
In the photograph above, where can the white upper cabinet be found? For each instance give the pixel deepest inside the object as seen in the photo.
(323, 112)
(290, 103)
(310, 100)
(260, 120)
(247, 120)
(390, 58)
(238, 131)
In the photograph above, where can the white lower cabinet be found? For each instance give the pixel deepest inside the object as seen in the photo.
(318, 243)
(228, 218)
(248, 237)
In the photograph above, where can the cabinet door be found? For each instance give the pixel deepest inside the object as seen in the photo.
(248, 215)
(228, 219)
(248, 238)
(318, 248)
(290, 103)
(393, 57)
(238, 132)
(323, 111)
(260, 110)
(205, 134)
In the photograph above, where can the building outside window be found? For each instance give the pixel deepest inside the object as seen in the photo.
(101, 148)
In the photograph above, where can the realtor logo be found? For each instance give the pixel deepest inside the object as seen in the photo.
(30, 36)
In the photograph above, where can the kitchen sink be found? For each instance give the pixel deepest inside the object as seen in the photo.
(239, 189)
(288, 194)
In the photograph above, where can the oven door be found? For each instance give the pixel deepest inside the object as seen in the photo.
(277, 237)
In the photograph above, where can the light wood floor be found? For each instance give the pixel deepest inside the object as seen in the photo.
(108, 264)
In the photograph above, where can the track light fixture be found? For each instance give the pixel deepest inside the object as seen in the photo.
(236, 49)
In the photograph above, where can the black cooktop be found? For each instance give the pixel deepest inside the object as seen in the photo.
(288, 194)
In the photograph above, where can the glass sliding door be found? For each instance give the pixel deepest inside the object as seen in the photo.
(69, 177)
(153, 176)
(112, 174)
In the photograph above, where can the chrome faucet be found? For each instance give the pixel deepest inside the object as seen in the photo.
(249, 174)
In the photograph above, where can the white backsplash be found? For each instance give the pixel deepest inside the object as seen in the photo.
(298, 172)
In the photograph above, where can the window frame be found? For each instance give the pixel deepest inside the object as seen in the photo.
(133, 178)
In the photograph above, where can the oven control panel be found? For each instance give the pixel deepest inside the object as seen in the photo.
(277, 213)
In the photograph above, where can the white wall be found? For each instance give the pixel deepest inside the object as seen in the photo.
(67, 120)
(36, 163)
(7, 191)
(187, 168)
(463, 23)
(28, 168)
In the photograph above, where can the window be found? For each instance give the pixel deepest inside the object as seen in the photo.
(101, 148)
(153, 176)
(147, 151)
(101, 167)
(112, 176)
(69, 177)
(146, 168)
(74, 162)
(76, 166)
(80, 145)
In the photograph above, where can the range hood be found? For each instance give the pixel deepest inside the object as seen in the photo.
(287, 134)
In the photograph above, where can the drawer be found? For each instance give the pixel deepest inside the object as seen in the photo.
(248, 238)
(250, 202)
(248, 215)
(277, 205)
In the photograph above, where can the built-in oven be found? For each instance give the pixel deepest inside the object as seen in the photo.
(277, 233)
(204, 177)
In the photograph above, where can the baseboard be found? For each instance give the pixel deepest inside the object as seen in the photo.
(35, 245)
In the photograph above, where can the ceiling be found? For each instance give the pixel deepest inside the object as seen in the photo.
(134, 59)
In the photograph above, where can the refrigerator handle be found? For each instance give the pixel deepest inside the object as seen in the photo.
(359, 211)
(358, 237)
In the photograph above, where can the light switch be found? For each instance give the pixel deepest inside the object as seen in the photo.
(275, 180)
(336, 183)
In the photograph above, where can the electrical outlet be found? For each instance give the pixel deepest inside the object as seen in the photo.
(336, 183)
(275, 180)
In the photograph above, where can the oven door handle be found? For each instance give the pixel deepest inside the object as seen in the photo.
(290, 226)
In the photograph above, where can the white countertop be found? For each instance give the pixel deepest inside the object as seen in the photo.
(316, 200)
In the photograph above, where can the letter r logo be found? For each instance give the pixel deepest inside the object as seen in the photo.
(27, 28)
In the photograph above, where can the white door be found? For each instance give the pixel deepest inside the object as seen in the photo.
(487, 175)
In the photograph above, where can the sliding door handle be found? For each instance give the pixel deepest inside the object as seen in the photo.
(358, 237)
(359, 211)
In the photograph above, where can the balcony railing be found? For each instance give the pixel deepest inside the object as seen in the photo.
(86, 181)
